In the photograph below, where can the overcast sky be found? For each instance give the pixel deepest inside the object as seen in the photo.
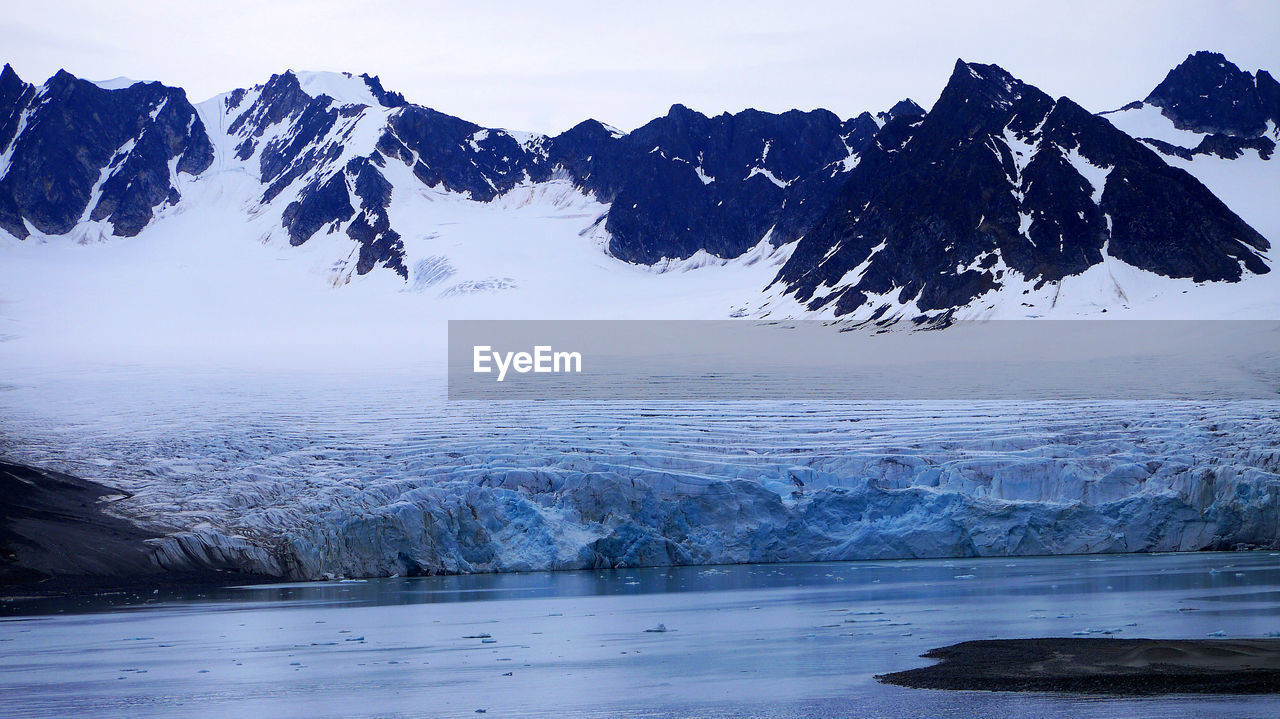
(544, 66)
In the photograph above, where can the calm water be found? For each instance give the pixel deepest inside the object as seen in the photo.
(756, 640)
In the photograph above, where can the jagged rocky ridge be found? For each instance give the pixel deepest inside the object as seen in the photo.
(1207, 93)
(1234, 113)
(903, 215)
(686, 182)
(73, 152)
(1002, 184)
(680, 184)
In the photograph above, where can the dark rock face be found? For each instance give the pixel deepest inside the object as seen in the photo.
(379, 244)
(57, 538)
(385, 97)
(1209, 94)
(306, 139)
(302, 141)
(1000, 177)
(280, 99)
(320, 203)
(686, 182)
(1227, 147)
(1094, 666)
(53, 524)
(15, 95)
(456, 155)
(1231, 108)
(903, 108)
(1231, 148)
(78, 151)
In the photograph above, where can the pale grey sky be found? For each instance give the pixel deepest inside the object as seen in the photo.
(544, 66)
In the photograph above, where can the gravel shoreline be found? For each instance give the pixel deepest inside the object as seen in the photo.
(56, 541)
(1102, 666)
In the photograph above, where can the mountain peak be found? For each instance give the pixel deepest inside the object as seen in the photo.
(61, 78)
(681, 111)
(905, 107)
(1201, 72)
(1206, 60)
(1208, 93)
(991, 84)
(981, 72)
(386, 97)
(344, 87)
(593, 127)
(10, 83)
(287, 80)
(1000, 188)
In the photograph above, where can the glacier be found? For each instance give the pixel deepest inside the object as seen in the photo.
(358, 477)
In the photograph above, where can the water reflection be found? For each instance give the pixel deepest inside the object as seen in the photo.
(1238, 575)
(797, 640)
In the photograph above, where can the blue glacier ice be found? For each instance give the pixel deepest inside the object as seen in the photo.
(350, 481)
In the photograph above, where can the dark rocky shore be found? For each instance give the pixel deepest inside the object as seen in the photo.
(56, 539)
(1102, 666)
(54, 524)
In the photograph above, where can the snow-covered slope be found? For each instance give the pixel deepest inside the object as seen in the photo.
(1219, 123)
(1247, 183)
(206, 285)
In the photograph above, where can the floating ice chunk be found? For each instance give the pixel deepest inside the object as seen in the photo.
(1087, 631)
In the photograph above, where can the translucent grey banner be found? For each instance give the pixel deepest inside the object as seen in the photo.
(811, 360)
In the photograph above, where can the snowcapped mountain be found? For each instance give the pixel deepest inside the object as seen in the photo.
(1000, 190)
(686, 182)
(999, 201)
(74, 152)
(681, 184)
(1220, 124)
(1208, 94)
